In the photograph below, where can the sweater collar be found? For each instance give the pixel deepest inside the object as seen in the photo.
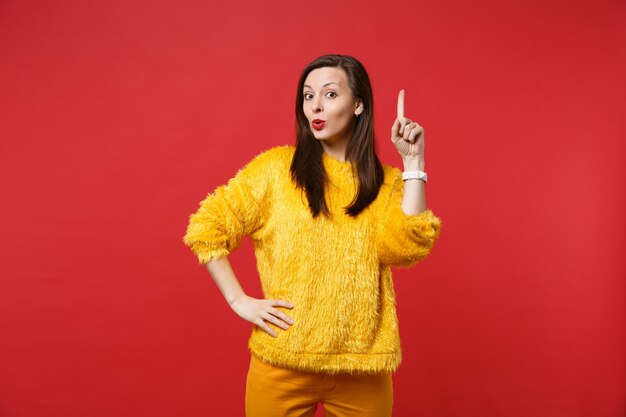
(335, 166)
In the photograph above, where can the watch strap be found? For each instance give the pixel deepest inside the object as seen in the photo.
(420, 175)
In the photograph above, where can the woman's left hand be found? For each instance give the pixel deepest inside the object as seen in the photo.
(406, 135)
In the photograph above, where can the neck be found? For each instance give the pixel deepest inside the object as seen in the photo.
(336, 150)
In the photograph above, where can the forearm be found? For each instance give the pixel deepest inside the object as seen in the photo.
(414, 197)
(224, 276)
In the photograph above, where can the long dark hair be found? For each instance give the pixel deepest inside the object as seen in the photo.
(307, 169)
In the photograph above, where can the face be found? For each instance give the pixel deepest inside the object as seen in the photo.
(327, 97)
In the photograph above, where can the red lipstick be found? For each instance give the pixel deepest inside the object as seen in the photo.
(318, 124)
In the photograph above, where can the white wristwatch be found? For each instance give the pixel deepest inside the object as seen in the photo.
(420, 175)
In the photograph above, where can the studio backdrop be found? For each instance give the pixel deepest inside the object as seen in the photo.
(117, 118)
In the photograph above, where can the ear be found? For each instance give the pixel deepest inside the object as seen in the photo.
(359, 108)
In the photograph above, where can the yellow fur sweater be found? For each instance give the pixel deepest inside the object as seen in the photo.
(335, 271)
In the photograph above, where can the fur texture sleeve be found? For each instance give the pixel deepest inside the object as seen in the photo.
(403, 240)
(230, 212)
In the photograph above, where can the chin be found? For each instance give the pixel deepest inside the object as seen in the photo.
(323, 136)
(324, 139)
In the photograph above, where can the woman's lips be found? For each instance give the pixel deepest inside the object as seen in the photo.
(318, 124)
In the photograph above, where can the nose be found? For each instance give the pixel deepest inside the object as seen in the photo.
(316, 106)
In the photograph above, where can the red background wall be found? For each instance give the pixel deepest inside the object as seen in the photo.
(118, 117)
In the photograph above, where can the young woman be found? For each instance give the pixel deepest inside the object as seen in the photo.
(328, 221)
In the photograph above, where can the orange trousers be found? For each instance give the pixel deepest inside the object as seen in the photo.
(279, 392)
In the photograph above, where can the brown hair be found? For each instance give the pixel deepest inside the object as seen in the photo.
(307, 169)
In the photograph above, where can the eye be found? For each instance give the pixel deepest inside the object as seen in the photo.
(305, 95)
(332, 92)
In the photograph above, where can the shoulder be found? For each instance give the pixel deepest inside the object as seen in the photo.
(274, 156)
(392, 175)
(270, 158)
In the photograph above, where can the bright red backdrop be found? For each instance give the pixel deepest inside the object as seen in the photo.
(118, 117)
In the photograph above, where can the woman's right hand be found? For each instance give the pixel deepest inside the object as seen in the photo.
(258, 310)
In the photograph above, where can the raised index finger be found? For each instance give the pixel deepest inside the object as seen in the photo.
(401, 105)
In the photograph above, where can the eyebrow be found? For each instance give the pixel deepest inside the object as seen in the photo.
(332, 82)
